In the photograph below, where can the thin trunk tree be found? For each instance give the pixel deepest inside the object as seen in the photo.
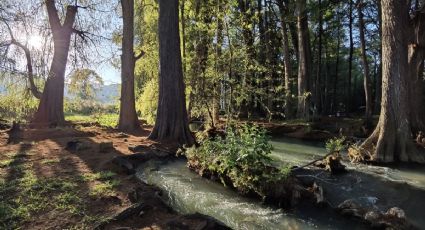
(171, 121)
(286, 58)
(350, 57)
(304, 60)
(367, 83)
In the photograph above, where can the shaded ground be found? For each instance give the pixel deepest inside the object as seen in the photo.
(45, 186)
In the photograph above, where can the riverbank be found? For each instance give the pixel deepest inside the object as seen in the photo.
(64, 178)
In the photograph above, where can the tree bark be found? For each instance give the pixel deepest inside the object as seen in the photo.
(416, 58)
(171, 121)
(366, 80)
(219, 65)
(128, 119)
(350, 58)
(335, 86)
(286, 60)
(318, 91)
(392, 139)
(303, 60)
(50, 109)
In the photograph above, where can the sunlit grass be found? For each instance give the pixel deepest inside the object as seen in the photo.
(50, 161)
(108, 120)
(23, 194)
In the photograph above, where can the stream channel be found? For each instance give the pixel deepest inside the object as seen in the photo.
(374, 186)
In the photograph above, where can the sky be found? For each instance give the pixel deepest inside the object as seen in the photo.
(109, 74)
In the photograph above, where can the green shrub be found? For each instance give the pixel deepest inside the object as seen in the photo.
(242, 157)
(147, 103)
(335, 144)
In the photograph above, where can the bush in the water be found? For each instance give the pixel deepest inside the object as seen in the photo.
(335, 145)
(241, 160)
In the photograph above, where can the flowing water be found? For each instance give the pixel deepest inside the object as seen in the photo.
(187, 192)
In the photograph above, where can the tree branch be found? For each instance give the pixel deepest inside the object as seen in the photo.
(71, 12)
(140, 55)
(52, 12)
(30, 73)
(34, 90)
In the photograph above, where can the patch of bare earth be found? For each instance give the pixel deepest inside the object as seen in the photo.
(82, 188)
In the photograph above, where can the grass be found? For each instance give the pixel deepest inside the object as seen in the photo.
(103, 189)
(23, 195)
(103, 176)
(50, 161)
(108, 120)
(104, 183)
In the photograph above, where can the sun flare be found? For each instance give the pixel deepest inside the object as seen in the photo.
(35, 41)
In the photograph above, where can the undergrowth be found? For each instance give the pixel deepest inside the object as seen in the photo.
(240, 160)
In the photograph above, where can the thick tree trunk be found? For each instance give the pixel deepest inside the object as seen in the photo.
(171, 121)
(128, 120)
(50, 109)
(303, 61)
(392, 138)
(416, 69)
(366, 80)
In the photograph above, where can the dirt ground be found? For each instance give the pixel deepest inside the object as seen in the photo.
(94, 188)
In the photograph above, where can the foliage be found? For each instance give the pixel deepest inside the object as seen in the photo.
(16, 102)
(147, 103)
(243, 157)
(84, 83)
(336, 144)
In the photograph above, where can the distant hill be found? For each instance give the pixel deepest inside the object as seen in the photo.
(108, 94)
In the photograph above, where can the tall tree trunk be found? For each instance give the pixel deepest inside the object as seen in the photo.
(286, 60)
(318, 91)
(219, 65)
(367, 82)
(128, 120)
(303, 60)
(416, 58)
(247, 14)
(392, 138)
(50, 109)
(350, 58)
(171, 121)
(335, 86)
(377, 103)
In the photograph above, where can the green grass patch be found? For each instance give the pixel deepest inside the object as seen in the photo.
(23, 193)
(103, 176)
(104, 189)
(108, 120)
(5, 163)
(50, 161)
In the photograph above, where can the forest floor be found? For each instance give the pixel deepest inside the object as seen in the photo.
(45, 186)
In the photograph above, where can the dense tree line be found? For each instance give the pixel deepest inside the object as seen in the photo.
(261, 59)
